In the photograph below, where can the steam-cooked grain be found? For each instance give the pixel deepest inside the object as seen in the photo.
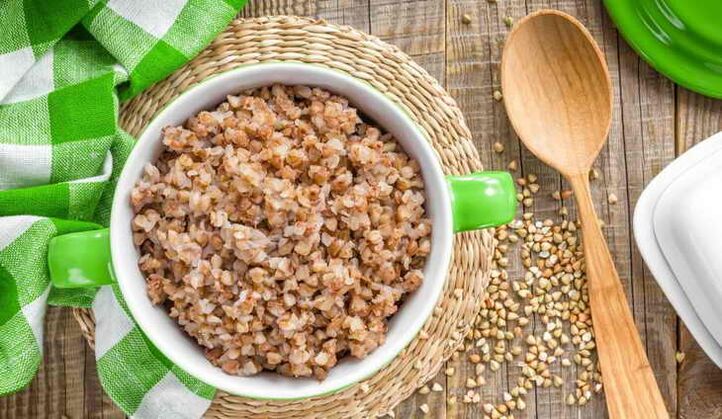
(281, 231)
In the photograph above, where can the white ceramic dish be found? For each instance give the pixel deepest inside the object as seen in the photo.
(403, 326)
(677, 232)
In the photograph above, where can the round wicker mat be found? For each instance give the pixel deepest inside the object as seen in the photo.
(391, 71)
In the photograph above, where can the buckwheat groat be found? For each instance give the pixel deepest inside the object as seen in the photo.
(281, 231)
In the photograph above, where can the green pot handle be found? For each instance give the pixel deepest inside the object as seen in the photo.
(80, 260)
(482, 200)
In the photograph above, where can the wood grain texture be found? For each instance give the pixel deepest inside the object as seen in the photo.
(653, 120)
(549, 401)
(647, 122)
(472, 75)
(66, 385)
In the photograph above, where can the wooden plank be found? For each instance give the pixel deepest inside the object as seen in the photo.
(473, 56)
(354, 13)
(344, 12)
(699, 379)
(434, 400)
(347, 12)
(93, 392)
(468, 81)
(57, 389)
(418, 29)
(282, 7)
(698, 117)
(550, 401)
(73, 356)
(648, 109)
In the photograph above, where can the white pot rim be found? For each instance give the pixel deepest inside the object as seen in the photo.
(163, 331)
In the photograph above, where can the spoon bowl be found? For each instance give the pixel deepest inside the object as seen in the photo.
(558, 96)
(557, 90)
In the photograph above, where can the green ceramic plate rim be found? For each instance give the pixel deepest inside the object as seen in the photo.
(661, 57)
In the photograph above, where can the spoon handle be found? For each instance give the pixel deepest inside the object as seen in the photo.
(629, 385)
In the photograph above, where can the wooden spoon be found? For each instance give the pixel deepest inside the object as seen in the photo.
(558, 95)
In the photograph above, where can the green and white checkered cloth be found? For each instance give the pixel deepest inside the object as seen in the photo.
(64, 65)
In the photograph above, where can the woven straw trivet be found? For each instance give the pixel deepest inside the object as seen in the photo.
(391, 71)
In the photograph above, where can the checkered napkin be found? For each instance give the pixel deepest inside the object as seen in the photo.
(64, 65)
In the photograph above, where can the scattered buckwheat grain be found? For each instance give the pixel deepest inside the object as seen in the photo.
(551, 291)
(593, 174)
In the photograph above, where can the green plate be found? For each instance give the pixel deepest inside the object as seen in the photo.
(682, 39)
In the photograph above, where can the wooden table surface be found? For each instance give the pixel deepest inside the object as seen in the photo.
(654, 121)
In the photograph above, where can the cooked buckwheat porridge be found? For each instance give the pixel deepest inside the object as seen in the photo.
(281, 231)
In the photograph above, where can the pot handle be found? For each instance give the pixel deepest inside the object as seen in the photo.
(481, 200)
(80, 260)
